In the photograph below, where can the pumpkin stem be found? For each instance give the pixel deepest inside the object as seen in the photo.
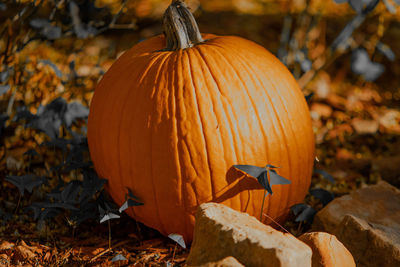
(180, 27)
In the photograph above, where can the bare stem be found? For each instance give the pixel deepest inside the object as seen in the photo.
(180, 27)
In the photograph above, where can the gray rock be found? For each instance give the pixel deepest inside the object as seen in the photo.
(367, 222)
(221, 232)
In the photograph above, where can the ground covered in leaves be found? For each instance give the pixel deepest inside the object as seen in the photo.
(52, 54)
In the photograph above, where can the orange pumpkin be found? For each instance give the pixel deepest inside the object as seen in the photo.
(169, 123)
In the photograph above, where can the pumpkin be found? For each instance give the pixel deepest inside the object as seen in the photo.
(174, 113)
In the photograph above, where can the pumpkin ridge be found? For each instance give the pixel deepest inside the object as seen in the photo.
(178, 136)
(245, 87)
(288, 197)
(232, 125)
(277, 116)
(261, 128)
(187, 67)
(99, 121)
(218, 193)
(241, 138)
(256, 82)
(293, 95)
(161, 71)
(291, 83)
(201, 126)
(132, 90)
(104, 124)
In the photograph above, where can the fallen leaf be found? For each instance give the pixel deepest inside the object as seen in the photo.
(365, 126)
(6, 245)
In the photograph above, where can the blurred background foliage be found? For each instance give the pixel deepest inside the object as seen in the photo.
(344, 55)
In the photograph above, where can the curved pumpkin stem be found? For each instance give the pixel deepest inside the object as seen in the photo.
(180, 27)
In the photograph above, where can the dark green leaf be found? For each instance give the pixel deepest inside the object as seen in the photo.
(178, 239)
(263, 180)
(109, 216)
(75, 111)
(25, 182)
(275, 178)
(309, 97)
(250, 170)
(71, 192)
(118, 257)
(325, 175)
(303, 212)
(323, 195)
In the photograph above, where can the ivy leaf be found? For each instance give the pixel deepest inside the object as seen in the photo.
(250, 170)
(87, 210)
(325, 175)
(263, 180)
(271, 166)
(71, 192)
(277, 179)
(109, 216)
(309, 97)
(323, 195)
(57, 142)
(361, 64)
(129, 203)
(43, 213)
(60, 205)
(49, 118)
(118, 257)
(91, 184)
(131, 195)
(25, 182)
(178, 239)
(75, 111)
(303, 212)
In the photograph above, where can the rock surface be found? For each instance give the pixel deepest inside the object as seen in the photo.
(367, 222)
(221, 232)
(371, 244)
(327, 250)
(226, 262)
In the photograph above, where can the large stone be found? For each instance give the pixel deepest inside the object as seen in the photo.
(226, 262)
(221, 232)
(327, 250)
(367, 222)
(371, 244)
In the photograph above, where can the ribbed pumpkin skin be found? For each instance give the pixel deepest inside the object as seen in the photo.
(170, 126)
